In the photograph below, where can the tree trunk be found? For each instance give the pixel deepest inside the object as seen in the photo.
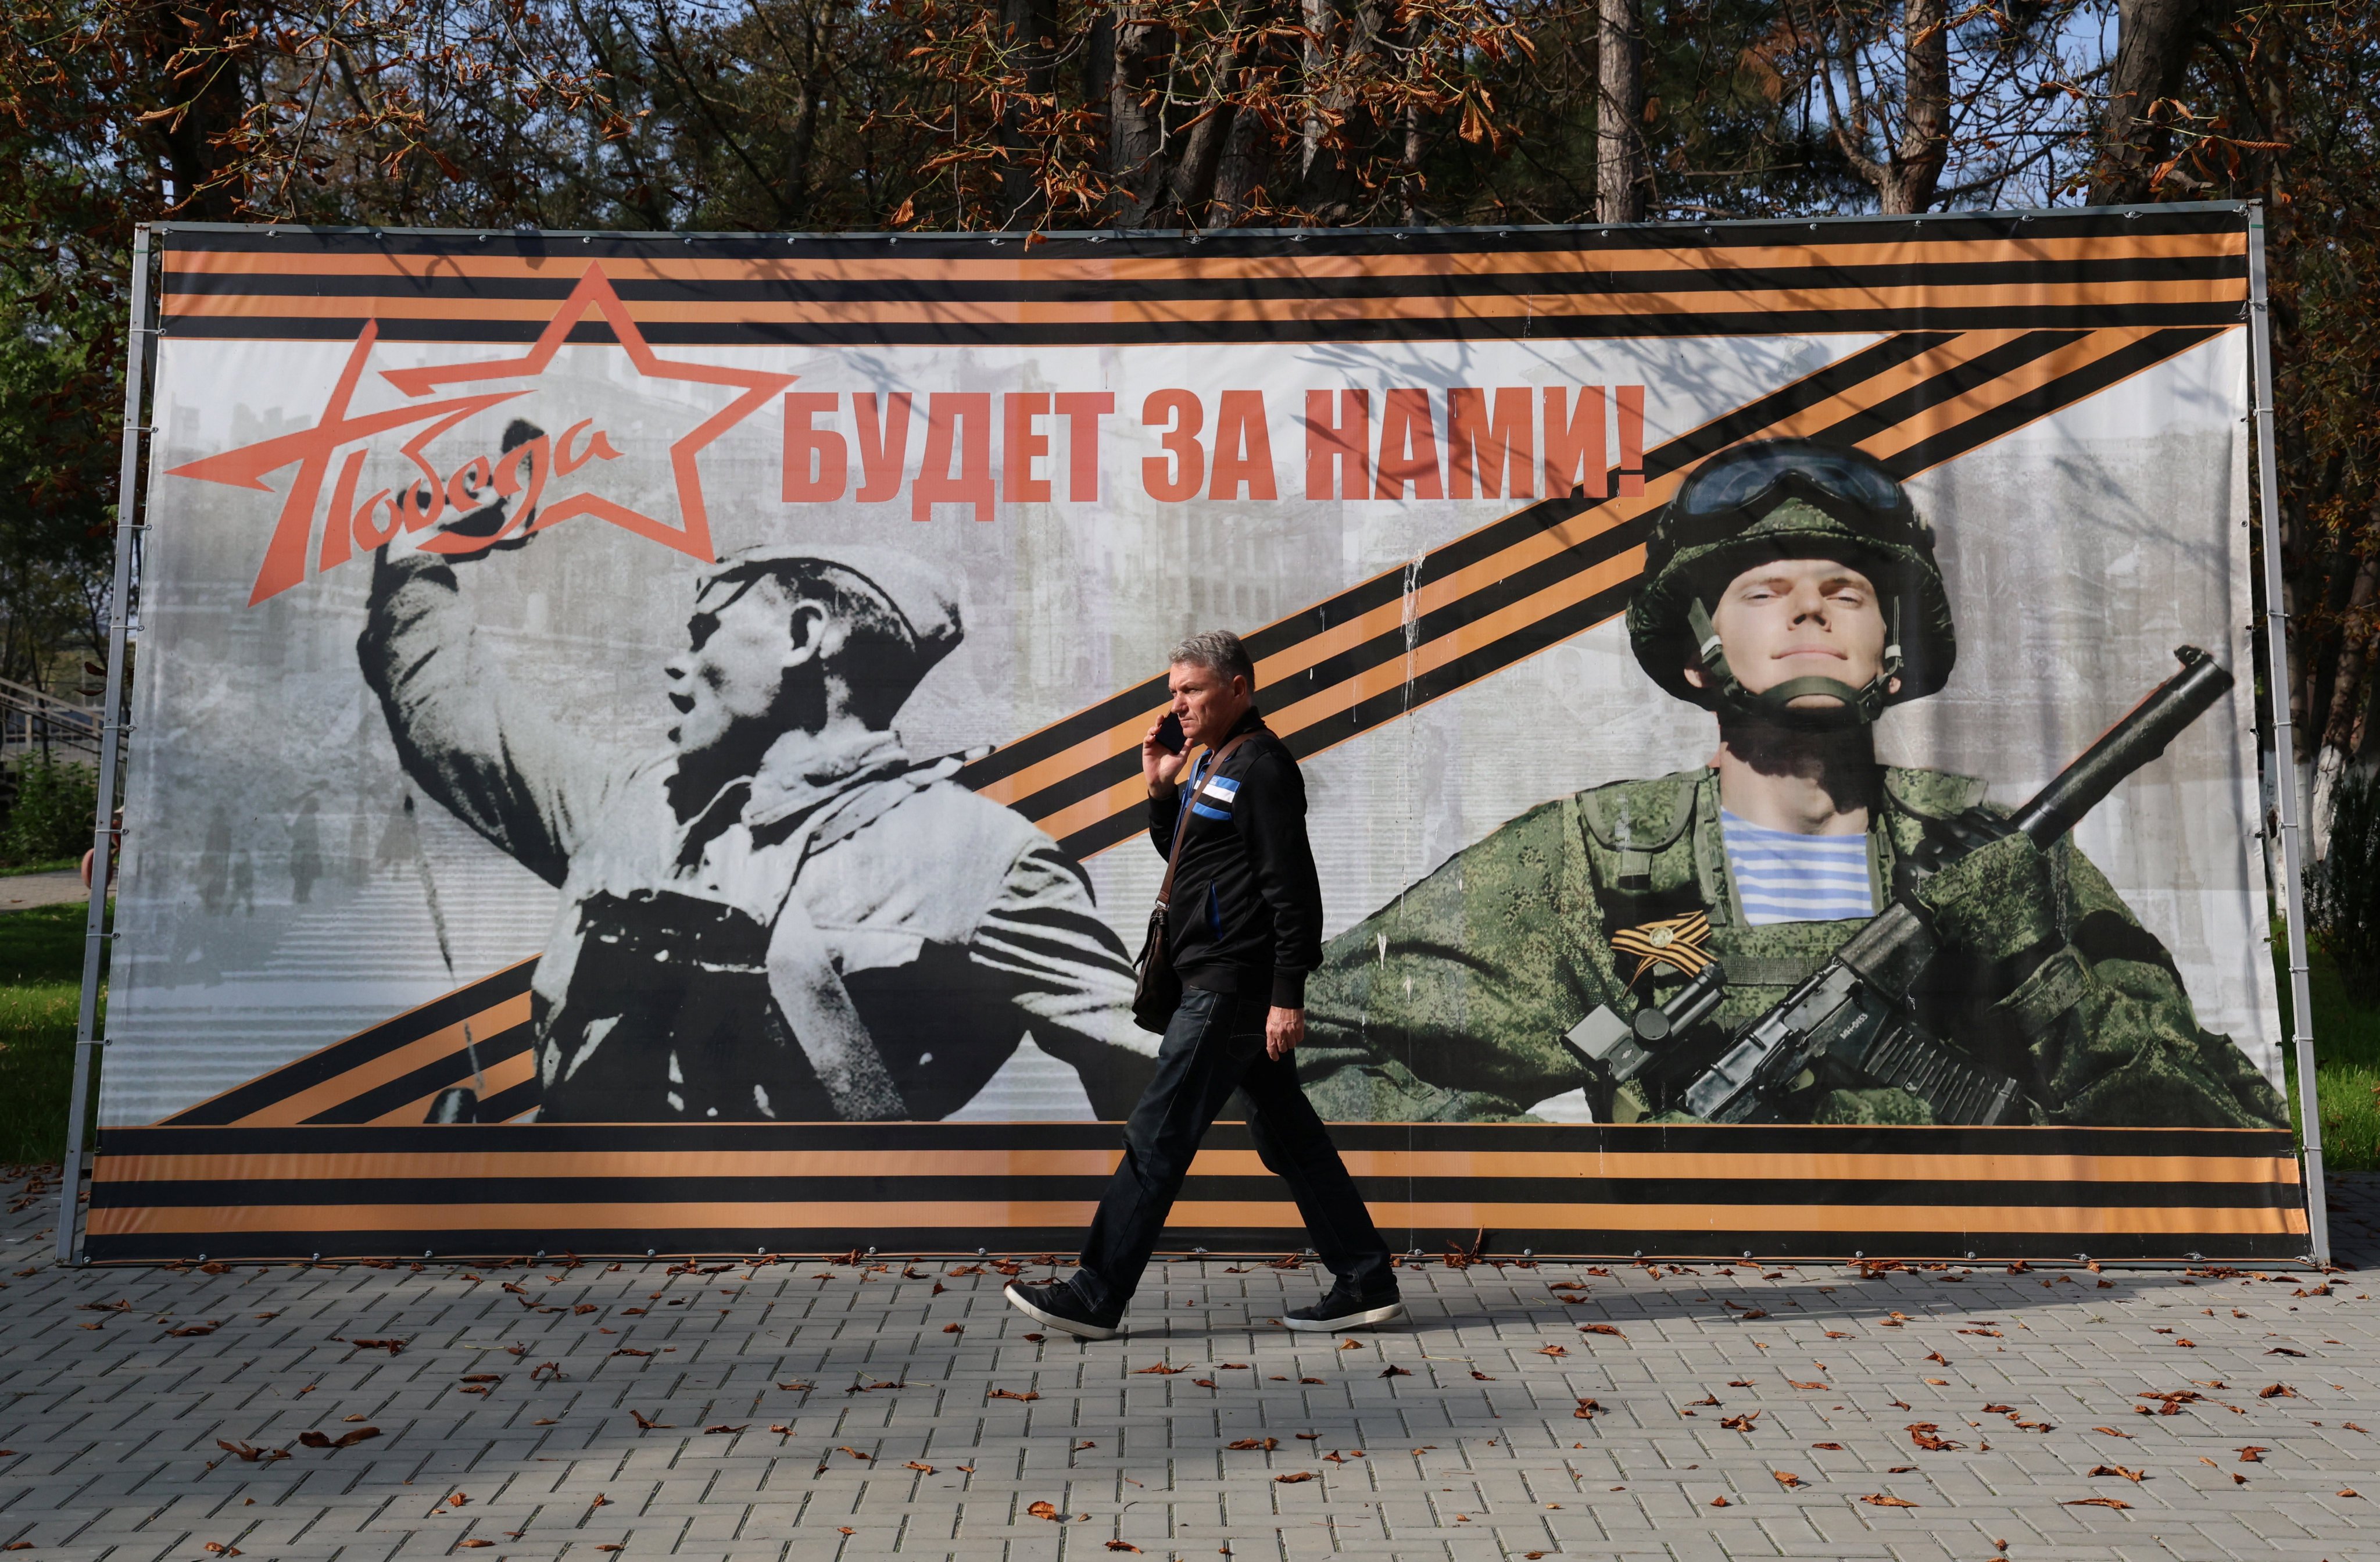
(190, 65)
(1916, 167)
(1135, 128)
(1029, 29)
(1620, 171)
(2153, 45)
(2347, 684)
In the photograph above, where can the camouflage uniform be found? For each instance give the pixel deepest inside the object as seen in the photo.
(1451, 1003)
(1448, 1003)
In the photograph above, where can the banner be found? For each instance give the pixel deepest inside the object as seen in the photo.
(638, 738)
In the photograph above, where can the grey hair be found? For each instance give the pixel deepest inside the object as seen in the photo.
(1217, 651)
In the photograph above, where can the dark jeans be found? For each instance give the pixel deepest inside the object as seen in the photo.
(1214, 1045)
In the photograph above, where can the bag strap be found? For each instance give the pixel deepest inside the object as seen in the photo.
(1182, 825)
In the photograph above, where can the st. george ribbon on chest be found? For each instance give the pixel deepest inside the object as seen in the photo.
(1852, 1020)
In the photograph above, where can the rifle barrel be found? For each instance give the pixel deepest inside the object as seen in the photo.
(2133, 742)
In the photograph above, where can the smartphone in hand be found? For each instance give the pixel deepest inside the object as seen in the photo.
(1169, 733)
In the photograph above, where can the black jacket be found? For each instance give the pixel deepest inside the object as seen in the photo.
(1246, 911)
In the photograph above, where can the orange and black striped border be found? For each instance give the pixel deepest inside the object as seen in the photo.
(2147, 267)
(165, 1193)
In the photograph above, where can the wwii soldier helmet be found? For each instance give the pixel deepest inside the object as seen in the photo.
(1790, 498)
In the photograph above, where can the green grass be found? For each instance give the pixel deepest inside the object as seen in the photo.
(2346, 1067)
(59, 865)
(41, 987)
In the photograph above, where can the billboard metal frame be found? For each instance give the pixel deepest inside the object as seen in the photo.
(2287, 838)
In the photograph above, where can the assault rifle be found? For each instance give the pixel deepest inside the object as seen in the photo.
(1853, 1015)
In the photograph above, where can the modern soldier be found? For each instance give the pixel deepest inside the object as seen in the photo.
(1791, 588)
(1248, 931)
(783, 916)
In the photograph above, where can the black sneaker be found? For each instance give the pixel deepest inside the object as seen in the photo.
(1060, 1307)
(1342, 1309)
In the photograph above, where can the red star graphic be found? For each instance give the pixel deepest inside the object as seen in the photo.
(310, 450)
(594, 292)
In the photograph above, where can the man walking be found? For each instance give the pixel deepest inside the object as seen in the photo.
(1245, 928)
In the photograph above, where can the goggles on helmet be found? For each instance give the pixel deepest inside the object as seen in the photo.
(1750, 479)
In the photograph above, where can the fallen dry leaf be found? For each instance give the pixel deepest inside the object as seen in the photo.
(2135, 1476)
(1923, 1433)
(2277, 1391)
(1552, 1351)
(1385, 1371)
(1045, 1510)
(221, 1550)
(648, 1424)
(1122, 1545)
(1786, 1479)
(345, 1439)
(2094, 1502)
(913, 1464)
(708, 1429)
(1266, 1444)
(1830, 1448)
(2254, 1453)
(1740, 1423)
(1163, 1370)
(1012, 1394)
(1878, 1499)
(2111, 1432)
(1351, 1344)
(248, 1455)
(1720, 1502)
(1600, 1329)
(1293, 1477)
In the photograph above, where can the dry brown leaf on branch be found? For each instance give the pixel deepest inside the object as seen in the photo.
(1878, 1499)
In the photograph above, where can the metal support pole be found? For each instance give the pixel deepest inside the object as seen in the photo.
(2284, 757)
(95, 931)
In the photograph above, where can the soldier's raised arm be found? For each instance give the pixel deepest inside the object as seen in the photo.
(466, 737)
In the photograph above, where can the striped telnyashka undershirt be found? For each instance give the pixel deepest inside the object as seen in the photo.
(1784, 877)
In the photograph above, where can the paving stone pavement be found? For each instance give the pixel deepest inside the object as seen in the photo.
(900, 1409)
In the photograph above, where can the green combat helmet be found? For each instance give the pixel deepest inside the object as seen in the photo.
(1790, 498)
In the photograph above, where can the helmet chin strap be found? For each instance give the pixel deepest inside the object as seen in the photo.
(1853, 707)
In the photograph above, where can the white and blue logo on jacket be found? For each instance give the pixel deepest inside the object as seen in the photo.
(1214, 800)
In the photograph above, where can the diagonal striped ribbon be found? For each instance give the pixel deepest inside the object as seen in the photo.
(1676, 943)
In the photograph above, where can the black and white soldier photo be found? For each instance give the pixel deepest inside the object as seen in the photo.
(786, 916)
